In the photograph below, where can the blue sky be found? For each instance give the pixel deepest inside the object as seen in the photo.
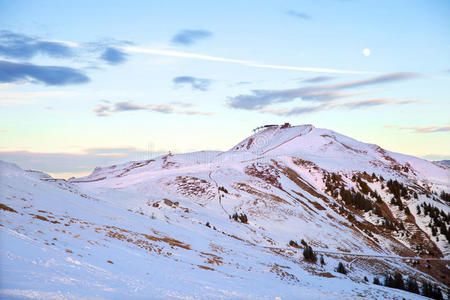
(87, 83)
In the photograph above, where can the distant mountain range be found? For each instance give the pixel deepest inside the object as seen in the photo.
(445, 162)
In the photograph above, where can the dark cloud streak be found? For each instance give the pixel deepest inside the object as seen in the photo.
(19, 46)
(189, 37)
(298, 15)
(114, 56)
(107, 110)
(50, 75)
(318, 79)
(201, 84)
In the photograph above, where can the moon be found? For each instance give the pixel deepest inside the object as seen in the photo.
(366, 52)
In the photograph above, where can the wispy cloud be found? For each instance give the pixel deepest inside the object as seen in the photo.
(243, 83)
(318, 79)
(262, 98)
(14, 45)
(419, 129)
(180, 54)
(358, 104)
(188, 37)
(127, 106)
(182, 104)
(195, 112)
(104, 110)
(370, 102)
(298, 15)
(387, 78)
(50, 75)
(295, 111)
(201, 84)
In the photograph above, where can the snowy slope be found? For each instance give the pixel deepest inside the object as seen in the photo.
(162, 229)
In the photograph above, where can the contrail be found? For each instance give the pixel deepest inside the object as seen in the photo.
(173, 53)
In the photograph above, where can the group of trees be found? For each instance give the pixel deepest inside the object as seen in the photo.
(431, 291)
(293, 244)
(362, 199)
(445, 196)
(358, 200)
(439, 219)
(308, 252)
(364, 187)
(393, 225)
(334, 185)
(333, 182)
(240, 217)
(223, 189)
(397, 189)
(399, 203)
(410, 284)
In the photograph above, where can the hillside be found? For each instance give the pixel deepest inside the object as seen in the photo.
(230, 224)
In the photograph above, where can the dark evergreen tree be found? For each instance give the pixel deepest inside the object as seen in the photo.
(398, 281)
(445, 196)
(293, 244)
(322, 260)
(309, 254)
(341, 268)
(389, 281)
(411, 285)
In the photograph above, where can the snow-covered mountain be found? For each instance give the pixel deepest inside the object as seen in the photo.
(230, 225)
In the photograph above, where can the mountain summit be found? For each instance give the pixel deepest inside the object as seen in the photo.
(214, 224)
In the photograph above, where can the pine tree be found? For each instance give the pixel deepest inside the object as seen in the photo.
(411, 285)
(309, 254)
(341, 268)
(322, 261)
(398, 281)
(388, 281)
